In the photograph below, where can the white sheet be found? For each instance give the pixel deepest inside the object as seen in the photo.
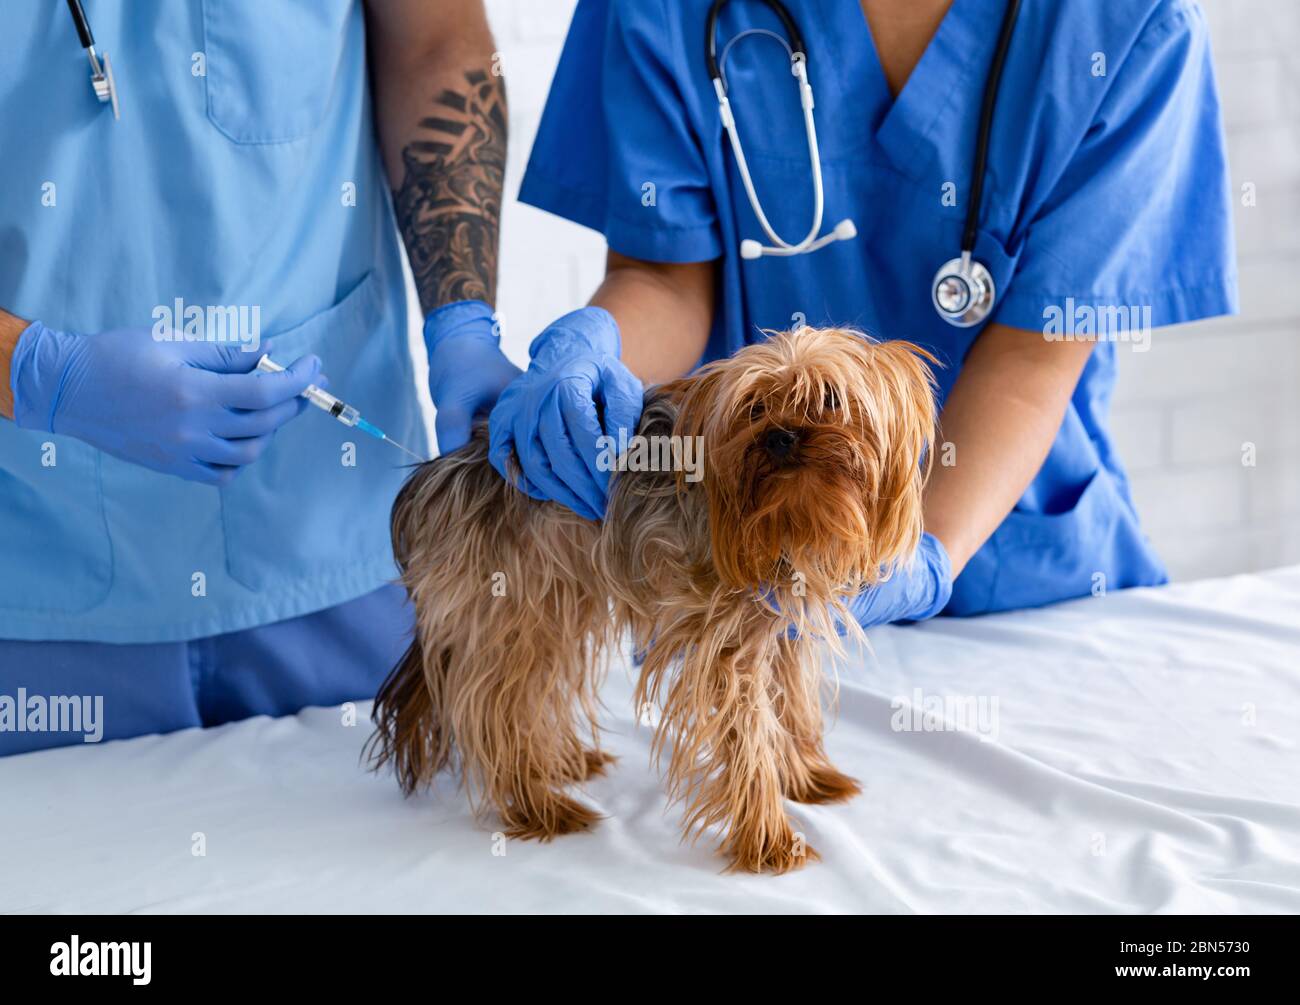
(1145, 759)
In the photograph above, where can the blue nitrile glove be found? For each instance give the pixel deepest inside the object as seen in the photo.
(574, 391)
(467, 369)
(197, 410)
(915, 592)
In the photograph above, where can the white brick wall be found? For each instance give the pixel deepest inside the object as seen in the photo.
(1183, 410)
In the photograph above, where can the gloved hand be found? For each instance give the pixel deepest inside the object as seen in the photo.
(197, 410)
(915, 592)
(574, 391)
(467, 369)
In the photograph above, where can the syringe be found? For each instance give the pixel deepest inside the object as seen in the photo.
(342, 411)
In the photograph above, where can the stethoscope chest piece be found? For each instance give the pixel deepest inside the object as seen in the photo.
(963, 292)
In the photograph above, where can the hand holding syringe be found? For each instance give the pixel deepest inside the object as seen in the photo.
(342, 411)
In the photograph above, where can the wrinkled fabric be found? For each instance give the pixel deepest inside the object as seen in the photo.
(1136, 752)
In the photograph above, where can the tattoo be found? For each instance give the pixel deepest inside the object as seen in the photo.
(449, 203)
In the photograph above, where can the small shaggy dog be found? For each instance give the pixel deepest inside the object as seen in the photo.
(815, 447)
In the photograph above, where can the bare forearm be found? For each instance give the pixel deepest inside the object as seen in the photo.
(998, 425)
(10, 328)
(441, 115)
(664, 313)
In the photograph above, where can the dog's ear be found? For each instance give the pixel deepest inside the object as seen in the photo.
(699, 410)
(903, 384)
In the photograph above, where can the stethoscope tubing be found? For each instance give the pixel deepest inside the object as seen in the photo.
(84, 33)
(963, 291)
(793, 44)
(742, 165)
(987, 107)
(783, 15)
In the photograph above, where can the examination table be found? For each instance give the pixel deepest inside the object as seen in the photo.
(1129, 753)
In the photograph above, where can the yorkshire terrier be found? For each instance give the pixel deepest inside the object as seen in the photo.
(816, 445)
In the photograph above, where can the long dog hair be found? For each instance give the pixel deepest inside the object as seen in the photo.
(816, 445)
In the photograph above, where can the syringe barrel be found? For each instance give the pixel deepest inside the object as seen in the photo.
(326, 402)
(323, 400)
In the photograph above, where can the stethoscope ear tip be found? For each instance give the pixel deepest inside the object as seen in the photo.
(846, 230)
(750, 249)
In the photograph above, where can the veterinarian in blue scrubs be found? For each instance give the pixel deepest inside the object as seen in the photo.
(177, 541)
(1106, 196)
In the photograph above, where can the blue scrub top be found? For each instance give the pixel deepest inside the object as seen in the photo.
(243, 172)
(1107, 187)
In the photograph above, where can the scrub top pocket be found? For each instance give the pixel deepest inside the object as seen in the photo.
(347, 479)
(271, 68)
(1041, 558)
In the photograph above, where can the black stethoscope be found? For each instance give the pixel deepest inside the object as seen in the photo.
(962, 291)
(101, 69)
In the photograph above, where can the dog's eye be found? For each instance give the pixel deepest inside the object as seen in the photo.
(830, 400)
(756, 411)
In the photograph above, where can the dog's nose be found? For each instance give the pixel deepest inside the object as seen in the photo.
(780, 442)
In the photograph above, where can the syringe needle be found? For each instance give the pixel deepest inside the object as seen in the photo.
(400, 447)
(340, 410)
(379, 434)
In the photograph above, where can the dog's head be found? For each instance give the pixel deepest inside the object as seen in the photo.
(816, 444)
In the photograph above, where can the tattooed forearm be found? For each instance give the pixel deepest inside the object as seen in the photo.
(449, 203)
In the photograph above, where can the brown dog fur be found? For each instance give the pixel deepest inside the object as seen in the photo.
(514, 596)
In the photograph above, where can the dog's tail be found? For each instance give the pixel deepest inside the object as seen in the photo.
(406, 729)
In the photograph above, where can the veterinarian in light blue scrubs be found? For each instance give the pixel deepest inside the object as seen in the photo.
(244, 171)
(1107, 191)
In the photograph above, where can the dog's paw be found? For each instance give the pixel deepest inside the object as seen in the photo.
(822, 784)
(779, 852)
(559, 816)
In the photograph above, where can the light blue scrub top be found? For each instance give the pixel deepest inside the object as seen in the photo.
(258, 183)
(1109, 188)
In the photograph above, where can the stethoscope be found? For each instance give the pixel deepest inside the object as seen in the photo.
(963, 292)
(793, 42)
(101, 69)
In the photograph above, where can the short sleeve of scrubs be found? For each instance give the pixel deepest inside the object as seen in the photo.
(644, 184)
(1141, 216)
